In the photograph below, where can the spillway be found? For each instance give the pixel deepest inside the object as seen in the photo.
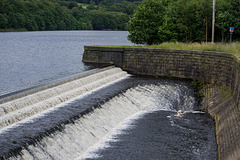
(76, 119)
(31, 105)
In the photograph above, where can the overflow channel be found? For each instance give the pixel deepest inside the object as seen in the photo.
(106, 115)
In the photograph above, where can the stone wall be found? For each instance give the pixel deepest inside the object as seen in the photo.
(222, 100)
(103, 55)
(197, 65)
(227, 120)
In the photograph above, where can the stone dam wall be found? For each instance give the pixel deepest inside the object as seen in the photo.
(220, 70)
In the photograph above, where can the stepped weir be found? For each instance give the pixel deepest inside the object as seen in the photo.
(79, 117)
(39, 101)
(31, 105)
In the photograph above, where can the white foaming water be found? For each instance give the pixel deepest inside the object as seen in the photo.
(23, 108)
(111, 136)
(91, 132)
(64, 104)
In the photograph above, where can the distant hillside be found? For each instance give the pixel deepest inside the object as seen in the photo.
(66, 15)
(104, 2)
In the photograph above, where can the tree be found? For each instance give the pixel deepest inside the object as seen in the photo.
(143, 26)
(102, 20)
(40, 22)
(3, 21)
(5, 6)
(65, 14)
(168, 31)
(190, 20)
(236, 14)
(159, 21)
(31, 24)
(227, 15)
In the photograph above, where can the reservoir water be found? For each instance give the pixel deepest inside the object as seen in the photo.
(102, 114)
(35, 58)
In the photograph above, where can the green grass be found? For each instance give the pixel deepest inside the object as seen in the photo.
(235, 47)
(221, 47)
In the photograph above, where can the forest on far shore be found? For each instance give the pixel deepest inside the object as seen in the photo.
(148, 21)
(39, 15)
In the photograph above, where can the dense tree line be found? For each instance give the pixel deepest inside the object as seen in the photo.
(158, 21)
(154, 21)
(65, 15)
(103, 2)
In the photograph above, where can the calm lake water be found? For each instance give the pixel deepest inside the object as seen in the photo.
(36, 58)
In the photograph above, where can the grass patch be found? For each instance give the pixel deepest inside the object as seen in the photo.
(221, 47)
(235, 47)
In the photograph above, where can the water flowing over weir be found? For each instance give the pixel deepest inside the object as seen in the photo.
(45, 125)
(20, 109)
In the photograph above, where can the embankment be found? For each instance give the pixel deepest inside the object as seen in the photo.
(221, 70)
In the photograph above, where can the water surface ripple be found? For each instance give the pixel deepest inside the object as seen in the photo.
(35, 58)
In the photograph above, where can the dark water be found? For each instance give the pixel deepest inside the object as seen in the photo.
(35, 58)
(160, 135)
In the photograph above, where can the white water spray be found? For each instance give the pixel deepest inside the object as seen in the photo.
(79, 140)
(17, 110)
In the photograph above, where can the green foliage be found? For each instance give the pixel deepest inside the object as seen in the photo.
(226, 91)
(143, 26)
(3, 21)
(155, 21)
(184, 21)
(65, 14)
(108, 20)
(224, 19)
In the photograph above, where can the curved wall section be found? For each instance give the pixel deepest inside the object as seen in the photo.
(221, 68)
(196, 65)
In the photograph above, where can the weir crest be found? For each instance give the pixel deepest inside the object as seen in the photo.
(25, 107)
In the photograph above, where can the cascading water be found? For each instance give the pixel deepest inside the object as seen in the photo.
(94, 126)
(20, 109)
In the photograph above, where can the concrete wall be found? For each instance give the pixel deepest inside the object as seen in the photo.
(103, 55)
(197, 65)
(222, 100)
